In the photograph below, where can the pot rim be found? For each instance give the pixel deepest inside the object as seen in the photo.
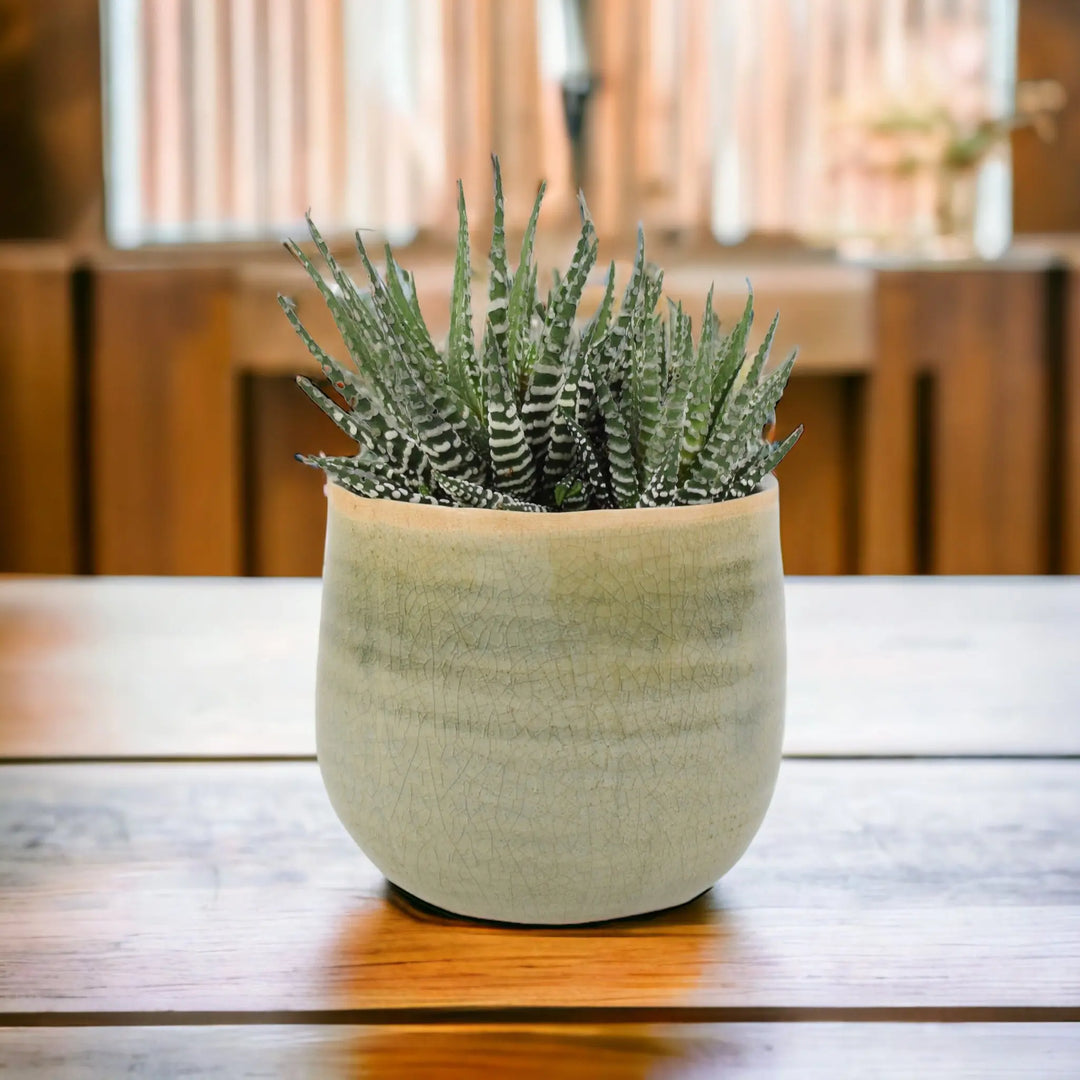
(477, 520)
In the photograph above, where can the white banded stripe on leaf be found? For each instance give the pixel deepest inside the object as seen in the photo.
(345, 382)
(402, 291)
(586, 463)
(732, 352)
(613, 361)
(736, 432)
(522, 301)
(672, 419)
(560, 447)
(437, 419)
(699, 410)
(350, 321)
(620, 453)
(761, 463)
(499, 269)
(513, 468)
(550, 369)
(462, 367)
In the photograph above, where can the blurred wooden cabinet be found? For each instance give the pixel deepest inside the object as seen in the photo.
(150, 418)
(196, 417)
(42, 449)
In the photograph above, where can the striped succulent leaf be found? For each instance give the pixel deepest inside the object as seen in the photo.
(624, 411)
(352, 322)
(462, 367)
(587, 464)
(620, 450)
(440, 426)
(498, 268)
(550, 369)
(699, 412)
(522, 301)
(513, 467)
(465, 493)
(734, 436)
(364, 482)
(763, 460)
(560, 448)
(345, 381)
(672, 420)
(732, 352)
(403, 294)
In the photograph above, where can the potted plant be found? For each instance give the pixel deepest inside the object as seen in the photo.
(552, 661)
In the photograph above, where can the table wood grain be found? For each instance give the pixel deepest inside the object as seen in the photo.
(809, 1051)
(128, 667)
(938, 887)
(177, 897)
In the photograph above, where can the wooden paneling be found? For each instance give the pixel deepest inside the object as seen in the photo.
(826, 308)
(51, 186)
(181, 668)
(164, 423)
(1070, 415)
(287, 511)
(40, 473)
(887, 507)
(912, 890)
(980, 335)
(815, 1051)
(817, 479)
(991, 441)
(1046, 176)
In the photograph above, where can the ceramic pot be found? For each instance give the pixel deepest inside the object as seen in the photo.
(552, 718)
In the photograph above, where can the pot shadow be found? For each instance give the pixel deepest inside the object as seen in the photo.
(399, 953)
(474, 997)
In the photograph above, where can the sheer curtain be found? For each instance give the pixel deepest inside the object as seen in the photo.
(226, 119)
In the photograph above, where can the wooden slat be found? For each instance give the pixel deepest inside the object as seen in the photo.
(50, 120)
(1070, 468)
(980, 335)
(989, 511)
(164, 424)
(875, 890)
(821, 1051)
(826, 309)
(817, 479)
(176, 666)
(1046, 174)
(137, 668)
(287, 524)
(614, 25)
(39, 477)
(886, 524)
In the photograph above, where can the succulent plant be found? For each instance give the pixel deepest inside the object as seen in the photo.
(542, 414)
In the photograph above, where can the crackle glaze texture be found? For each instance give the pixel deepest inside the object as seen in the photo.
(552, 718)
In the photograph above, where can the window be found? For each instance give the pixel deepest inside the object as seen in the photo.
(226, 119)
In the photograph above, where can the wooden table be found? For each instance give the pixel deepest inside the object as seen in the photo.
(177, 898)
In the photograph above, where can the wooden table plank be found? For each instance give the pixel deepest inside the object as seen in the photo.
(814, 1051)
(186, 667)
(917, 666)
(218, 892)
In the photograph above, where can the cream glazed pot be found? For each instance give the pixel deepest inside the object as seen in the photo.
(552, 718)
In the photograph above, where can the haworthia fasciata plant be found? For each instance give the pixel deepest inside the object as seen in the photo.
(543, 411)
